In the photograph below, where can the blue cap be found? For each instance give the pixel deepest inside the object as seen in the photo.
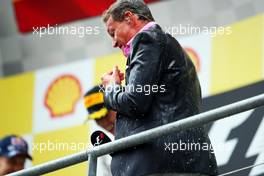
(13, 145)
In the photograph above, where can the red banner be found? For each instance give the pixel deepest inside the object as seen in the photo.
(40, 13)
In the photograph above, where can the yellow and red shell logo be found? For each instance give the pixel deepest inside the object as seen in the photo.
(194, 57)
(62, 95)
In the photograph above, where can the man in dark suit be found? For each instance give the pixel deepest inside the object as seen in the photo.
(161, 87)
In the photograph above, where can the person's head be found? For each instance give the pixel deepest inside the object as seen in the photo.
(124, 19)
(13, 154)
(94, 103)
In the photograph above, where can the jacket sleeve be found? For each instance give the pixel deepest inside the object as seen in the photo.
(136, 98)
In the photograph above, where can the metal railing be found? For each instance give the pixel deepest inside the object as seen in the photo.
(142, 137)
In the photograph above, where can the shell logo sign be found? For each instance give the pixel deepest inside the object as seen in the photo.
(194, 57)
(62, 95)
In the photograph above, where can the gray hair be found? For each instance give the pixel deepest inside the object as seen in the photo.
(118, 9)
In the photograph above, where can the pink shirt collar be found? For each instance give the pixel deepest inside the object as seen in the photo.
(126, 49)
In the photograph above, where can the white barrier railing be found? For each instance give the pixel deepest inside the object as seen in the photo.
(142, 137)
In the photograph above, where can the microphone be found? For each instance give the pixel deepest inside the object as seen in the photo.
(99, 138)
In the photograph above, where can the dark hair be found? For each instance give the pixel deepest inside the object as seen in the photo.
(118, 9)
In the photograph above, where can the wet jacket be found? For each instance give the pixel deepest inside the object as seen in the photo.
(158, 61)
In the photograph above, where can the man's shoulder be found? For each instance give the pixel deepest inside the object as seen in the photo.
(153, 34)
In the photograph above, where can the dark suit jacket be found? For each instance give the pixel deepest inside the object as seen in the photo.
(158, 60)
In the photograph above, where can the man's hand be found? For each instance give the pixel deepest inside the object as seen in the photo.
(114, 76)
